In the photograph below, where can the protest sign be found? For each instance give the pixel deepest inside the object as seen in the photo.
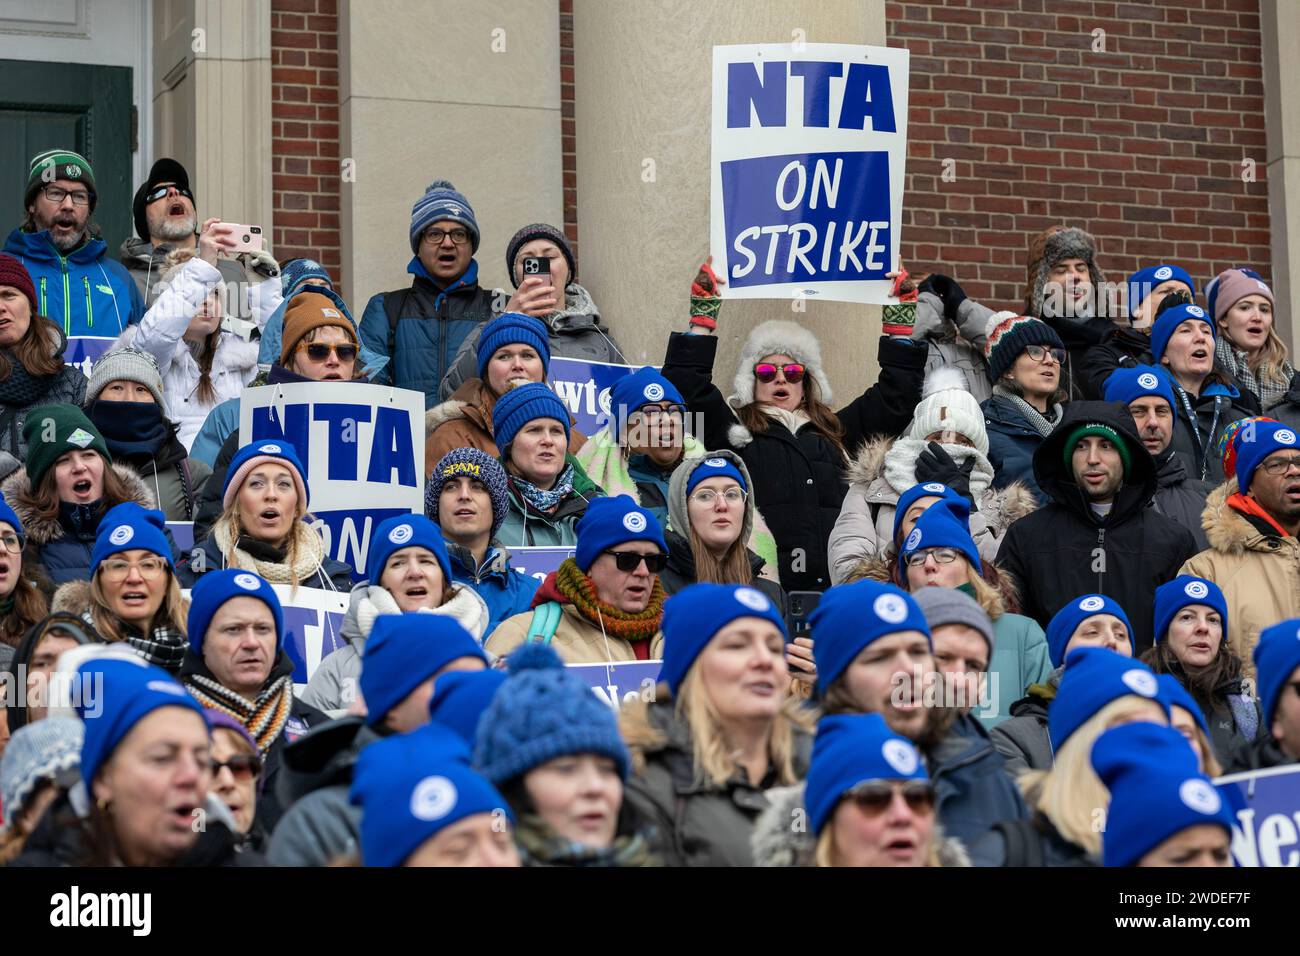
(84, 351)
(183, 535)
(584, 387)
(362, 447)
(622, 682)
(538, 562)
(809, 146)
(1266, 807)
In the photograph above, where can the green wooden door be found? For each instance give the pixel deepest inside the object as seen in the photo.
(73, 106)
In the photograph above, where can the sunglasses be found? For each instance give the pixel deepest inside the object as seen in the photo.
(628, 561)
(158, 192)
(319, 351)
(874, 796)
(765, 372)
(243, 767)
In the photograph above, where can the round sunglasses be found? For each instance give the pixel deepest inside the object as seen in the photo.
(765, 372)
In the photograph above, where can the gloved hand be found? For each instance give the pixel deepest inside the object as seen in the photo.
(947, 289)
(706, 300)
(1171, 300)
(899, 318)
(264, 264)
(935, 464)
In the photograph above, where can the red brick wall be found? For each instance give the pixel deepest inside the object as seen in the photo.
(567, 135)
(305, 163)
(1142, 144)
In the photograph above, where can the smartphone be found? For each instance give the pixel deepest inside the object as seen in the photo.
(247, 238)
(537, 266)
(802, 604)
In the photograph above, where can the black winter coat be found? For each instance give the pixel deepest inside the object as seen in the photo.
(799, 482)
(1064, 550)
(1119, 346)
(1287, 411)
(1179, 497)
(680, 572)
(1079, 338)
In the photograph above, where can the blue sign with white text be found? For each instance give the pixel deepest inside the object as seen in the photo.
(1266, 806)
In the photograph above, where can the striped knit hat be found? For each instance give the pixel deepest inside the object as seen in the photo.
(1008, 334)
(469, 463)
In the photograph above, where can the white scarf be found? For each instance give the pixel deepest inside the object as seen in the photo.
(900, 465)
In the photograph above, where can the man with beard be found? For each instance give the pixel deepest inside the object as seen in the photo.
(78, 287)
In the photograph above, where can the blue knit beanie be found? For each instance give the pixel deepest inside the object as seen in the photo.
(957, 505)
(1143, 282)
(643, 387)
(1276, 657)
(296, 273)
(215, 588)
(851, 616)
(608, 522)
(460, 699)
(939, 528)
(696, 613)
(1173, 693)
(1067, 620)
(1184, 591)
(544, 711)
(256, 453)
(405, 650)
(521, 405)
(1255, 442)
(129, 527)
(10, 517)
(702, 469)
(1156, 790)
(1169, 320)
(512, 328)
(1095, 676)
(441, 201)
(471, 463)
(405, 531)
(116, 694)
(412, 786)
(850, 749)
(1127, 385)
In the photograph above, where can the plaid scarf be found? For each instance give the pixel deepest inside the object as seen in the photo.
(539, 845)
(577, 589)
(265, 717)
(164, 646)
(546, 501)
(1269, 393)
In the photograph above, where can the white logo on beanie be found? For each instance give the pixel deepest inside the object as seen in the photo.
(913, 540)
(433, 798)
(753, 600)
(715, 462)
(330, 313)
(1200, 796)
(653, 392)
(604, 401)
(73, 171)
(121, 534)
(1140, 682)
(401, 534)
(935, 488)
(1284, 436)
(249, 582)
(270, 449)
(901, 756)
(1196, 589)
(1092, 603)
(81, 438)
(1262, 287)
(634, 521)
(1196, 310)
(890, 608)
(1148, 381)
(166, 687)
(1163, 273)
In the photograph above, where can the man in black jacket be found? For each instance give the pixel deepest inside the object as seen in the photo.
(1098, 535)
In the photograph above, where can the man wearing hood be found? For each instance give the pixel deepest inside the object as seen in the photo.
(1098, 533)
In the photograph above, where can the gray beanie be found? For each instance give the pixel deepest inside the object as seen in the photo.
(128, 365)
(947, 606)
(45, 751)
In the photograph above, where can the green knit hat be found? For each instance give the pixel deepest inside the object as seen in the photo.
(1101, 431)
(59, 164)
(54, 430)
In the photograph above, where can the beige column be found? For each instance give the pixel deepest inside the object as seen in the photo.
(1280, 38)
(644, 111)
(432, 89)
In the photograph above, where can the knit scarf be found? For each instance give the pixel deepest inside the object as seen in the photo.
(265, 717)
(577, 589)
(311, 549)
(164, 646)
(20, 387)
(1269, 393)
(130, 428)
(539, 845)
(546, 501)
(1037, 421)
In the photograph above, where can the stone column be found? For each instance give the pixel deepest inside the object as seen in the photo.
(1280, 37)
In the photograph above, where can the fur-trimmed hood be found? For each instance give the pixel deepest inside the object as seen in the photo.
(1225, 528)
(776, 841)
(777, 337)
(17, 491)
(72, 597)
(472, 401)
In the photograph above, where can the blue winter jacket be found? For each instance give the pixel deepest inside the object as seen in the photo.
(973, 789)
(432, 324)
(86, 293)
(506, 592)
(1012, 443)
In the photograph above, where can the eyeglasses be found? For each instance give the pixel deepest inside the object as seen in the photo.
(1280, 466)
(629, 561)
(765, 372)
(319, 351)
(435, 236)
(56, 195)
(1039, 353)
(242, 767)
(158, 192)
(940, 555)
(117, 570)
(732, 496)
(12, 543)
(652, 413)
(873, 797)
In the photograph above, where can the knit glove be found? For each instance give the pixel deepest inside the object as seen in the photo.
(706, 300)
(935, 464)
(946, 289)
(900, 316)
(264, 264)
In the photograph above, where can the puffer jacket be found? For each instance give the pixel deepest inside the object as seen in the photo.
(505, 591)
(1023, 740)
(799, 479)
(1064, 550)
(699, 823)
(526, 527)
(330, 575)
(957, 344)
(61, 546)
(576, 640)
(1257, 569)
(970, 780)
(432, 323)
(160, 333)
(775, 842)
(882, 471)
(67, 386)
(146, 263)
(333, 685)
(85, 293)
(576, 333)
(1012, 443)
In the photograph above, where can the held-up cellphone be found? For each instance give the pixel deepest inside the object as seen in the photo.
(246, 238)
(538, 266)
(802, 604)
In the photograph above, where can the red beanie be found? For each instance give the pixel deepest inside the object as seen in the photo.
(14, 273)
